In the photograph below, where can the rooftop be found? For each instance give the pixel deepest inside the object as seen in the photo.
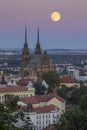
(42, 98)
(13, 89)
(66, 79)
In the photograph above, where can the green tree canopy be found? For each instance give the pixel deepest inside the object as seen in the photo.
(39, 88)
(83, 103)
(73, 119)
(8, 113)
(52, 78)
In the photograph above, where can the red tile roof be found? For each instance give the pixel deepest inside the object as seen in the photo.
(42, 98)
(25, 80)
(45, 109)
(66, 79)
(13, 89)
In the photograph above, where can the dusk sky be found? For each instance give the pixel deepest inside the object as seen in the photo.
(68, 33)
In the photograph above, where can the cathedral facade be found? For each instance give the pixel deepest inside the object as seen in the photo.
(34, 65)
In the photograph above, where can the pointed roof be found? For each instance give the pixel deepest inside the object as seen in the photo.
(25, 47)
(33, 61)
(30, 84)
(45, 57)
(25, 33)
(38, 48)
(44, 83)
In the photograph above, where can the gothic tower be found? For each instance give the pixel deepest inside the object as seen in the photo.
(38, 48)
(25, 51)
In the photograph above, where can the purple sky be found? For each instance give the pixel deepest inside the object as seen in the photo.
(69, 32)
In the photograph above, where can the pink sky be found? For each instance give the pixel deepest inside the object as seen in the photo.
(69, 32)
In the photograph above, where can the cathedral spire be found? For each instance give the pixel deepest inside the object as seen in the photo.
(38, 48)
(38, 34)
(25, 33)
(25, 50)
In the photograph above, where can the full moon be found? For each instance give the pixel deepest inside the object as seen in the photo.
(55, 16)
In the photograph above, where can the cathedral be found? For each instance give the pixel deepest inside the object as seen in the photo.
(34, 65)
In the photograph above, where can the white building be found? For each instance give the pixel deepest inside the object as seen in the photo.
(73, 72)
(42, 117)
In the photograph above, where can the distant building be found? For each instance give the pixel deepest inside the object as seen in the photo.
(21, 91)
(73, 72)
(33, 65)
(68, 81)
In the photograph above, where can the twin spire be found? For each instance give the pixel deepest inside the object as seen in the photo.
(37, 48)
(25, 33)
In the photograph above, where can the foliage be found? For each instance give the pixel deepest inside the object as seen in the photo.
(77, 93)
(62, 92)
(28, 125)
(39, 88)
(11, 102)
(52, 79)
(73, 119)
(83, 103)
(8, 114)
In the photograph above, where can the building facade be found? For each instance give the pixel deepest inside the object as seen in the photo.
(41, 117)
(21, 91)
(33, 65)
(44, 100)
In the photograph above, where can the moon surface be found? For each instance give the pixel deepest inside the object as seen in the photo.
(55, 16)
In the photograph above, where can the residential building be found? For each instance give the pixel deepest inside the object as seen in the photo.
(21, 91)
(41, 117)
(68, 81)
(44, 100)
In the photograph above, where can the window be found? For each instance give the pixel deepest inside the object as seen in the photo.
(53, 115)
(26, 95)
(46, 116)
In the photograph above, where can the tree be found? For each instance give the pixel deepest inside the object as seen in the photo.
(8, 114)
(77, 93)
(39, 88)
(28, 125)
(11, 102)
(62, 92)
(83, 103)
(73, 119)
(52, 79)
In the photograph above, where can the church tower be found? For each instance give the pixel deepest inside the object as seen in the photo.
(38, 48)
(25, 51)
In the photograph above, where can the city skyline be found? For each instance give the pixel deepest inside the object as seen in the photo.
(68, 33)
